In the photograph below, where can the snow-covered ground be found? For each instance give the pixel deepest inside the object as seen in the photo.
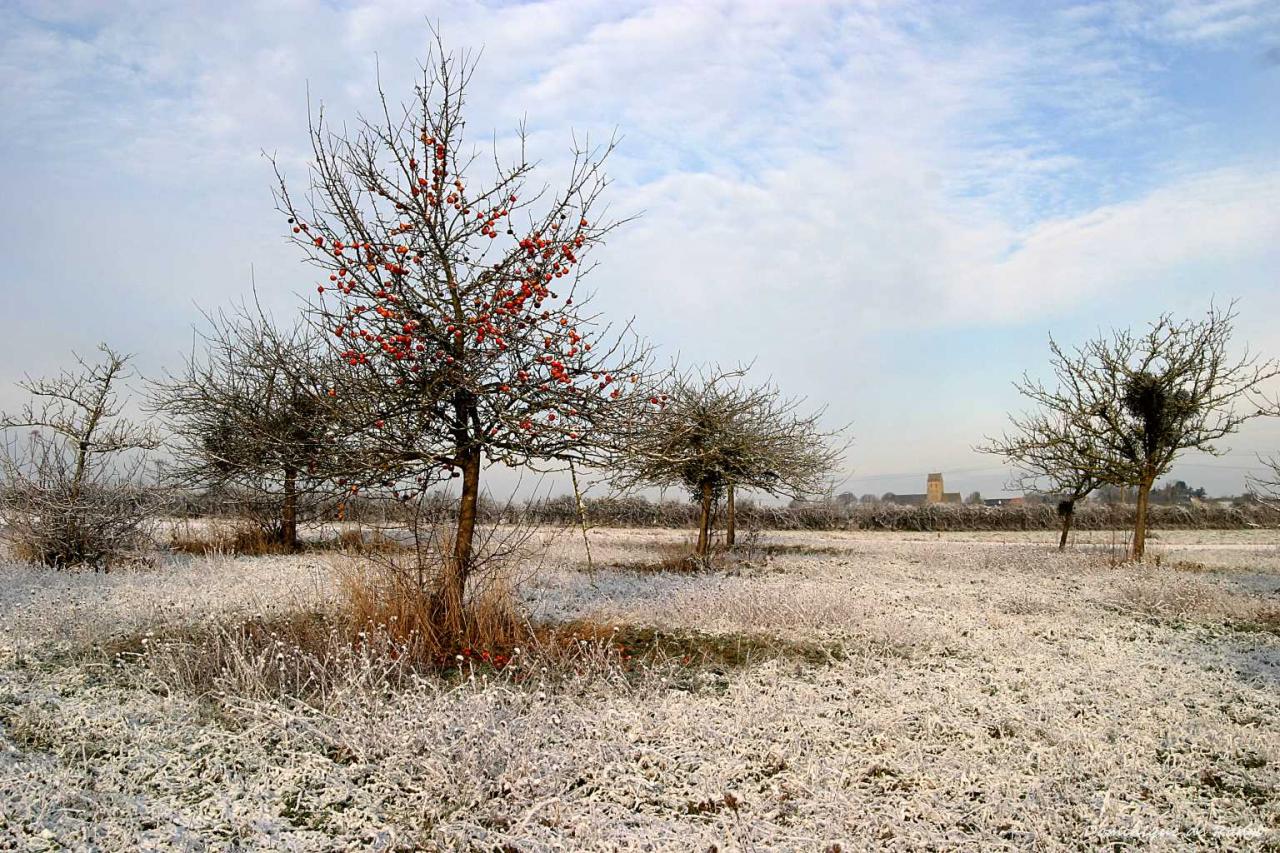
(988, 694)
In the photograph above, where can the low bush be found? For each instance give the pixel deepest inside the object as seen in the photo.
(74, 482)
(819, 515)
(95, 527)
(636, 511)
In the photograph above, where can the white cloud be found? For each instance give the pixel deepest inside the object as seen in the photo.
(1215, 20)
(1226, 215)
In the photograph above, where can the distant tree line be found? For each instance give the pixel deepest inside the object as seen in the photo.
(639, 511)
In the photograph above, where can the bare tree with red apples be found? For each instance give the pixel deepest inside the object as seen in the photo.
(458, 303)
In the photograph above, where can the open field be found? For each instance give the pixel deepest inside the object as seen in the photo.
(895, 691)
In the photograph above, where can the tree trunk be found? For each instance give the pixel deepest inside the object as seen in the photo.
(1140, 521)
(289, 511)
(729, 518)
(1068, 512)
(453, 577)
(704, 522)
(582, 514)
(82, 464)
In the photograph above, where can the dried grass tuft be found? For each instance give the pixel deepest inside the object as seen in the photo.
(235, 538)
(393, 599)
(1170, 597)
(367, 542)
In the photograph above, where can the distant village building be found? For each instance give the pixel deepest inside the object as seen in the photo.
(1016, 501)
(934, 494)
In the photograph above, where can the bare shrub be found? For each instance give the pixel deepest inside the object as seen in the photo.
(51, 523)
(74, 491)
(1266, 487)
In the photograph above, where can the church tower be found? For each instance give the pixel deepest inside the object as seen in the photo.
(933, 490)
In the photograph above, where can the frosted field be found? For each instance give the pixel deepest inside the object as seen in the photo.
(974, 691)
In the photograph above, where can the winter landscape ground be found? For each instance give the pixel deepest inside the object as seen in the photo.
(829, 691)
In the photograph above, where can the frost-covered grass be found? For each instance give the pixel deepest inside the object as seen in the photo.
(988, 694)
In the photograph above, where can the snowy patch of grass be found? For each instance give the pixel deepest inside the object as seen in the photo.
(925, 694)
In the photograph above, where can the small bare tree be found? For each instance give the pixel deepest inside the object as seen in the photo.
(251, 413)
(1134, 402)
(452, 289)
(74, 490)
(1051, 455)
(1266, 488)
(714, 433)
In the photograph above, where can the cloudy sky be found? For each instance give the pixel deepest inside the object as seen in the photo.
(887, 205)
